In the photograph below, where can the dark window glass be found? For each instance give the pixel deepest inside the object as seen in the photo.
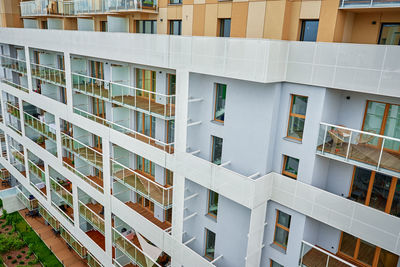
(297, 117)
(380, 191)
(360, 185)
(224, 27)
(309, 30)
(390, 34)
(395, 210)
(103, 26)
(275, 264)
(282, 227)
(366, 252)
(212, 203)
(220, 98)
(348, 244)
(216, 150)
(175, 27)
(290, 167)
(146, 26)
(210, 244)
(175, 2)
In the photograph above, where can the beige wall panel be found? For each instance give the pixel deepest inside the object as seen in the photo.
(174, 12)
(199, 12)
(348, 27)
(162, 3)
(210, 25)
(70, 24)
(328, 19)
(211, 1)
(255, 20)
(199, 1)
(363, 29)
(274, 17)
(310, 9)
(239, 19)
(187, 2)
(291, 25)
(187, 19)
(162, 25)
(224, 10)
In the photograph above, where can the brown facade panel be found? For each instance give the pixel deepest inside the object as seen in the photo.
(199, 12)
(239, 19)
(210, 24)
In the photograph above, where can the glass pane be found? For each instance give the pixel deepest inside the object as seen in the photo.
(213, 203)
(360, 185)
(216, 150)
(146, 124)
(225, 28)
(348, 244)
(392, 127)
(210, 244)
(292, 165)
(275, 264)
(284, 219)
(309, 30)
(387, 259)
(220, 102)
(139, 122)
(172, 84)
(281, 236)
(390, 34)
(395, 210)
(296, 127)
(299, 105)
(171, 131)
(373, 119)
(380, 191)
(366, 252)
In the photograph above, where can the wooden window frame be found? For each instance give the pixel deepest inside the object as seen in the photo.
(282, 227)
(205, 247)
(144, 123)
(153, 83)
(208, 205)
(272, 261)
(149, 175)
(212, 147)
(284, 172)
(171, 25)
(291, 114)
(215, 102)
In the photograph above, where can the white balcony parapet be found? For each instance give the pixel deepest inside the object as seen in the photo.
(310, 253)
(361, 148)
(368, 3)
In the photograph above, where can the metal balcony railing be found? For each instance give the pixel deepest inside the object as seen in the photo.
(104, 6)
(369, 3)
(360, 148)
(78, 247)
(40, 126)
(47, 7)
(61, 191)
(14, 64)
(48, 217)
(15, 85)
(48, 74)
(93, 218)
(30, 204)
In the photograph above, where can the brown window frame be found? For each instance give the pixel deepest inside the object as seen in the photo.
(291, 114)
(286, 173)
(282, 227)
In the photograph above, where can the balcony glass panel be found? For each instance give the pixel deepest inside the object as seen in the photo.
(14, 64)
(91, 217)
(312, 256)
(48, 74)
(368, 3)
(81, 250)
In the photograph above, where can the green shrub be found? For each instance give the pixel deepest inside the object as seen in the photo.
(14, 261)
(22, 262)
(19, 256)
(4, 214)
(9, 233)
(8, 243)
(23, 251)
(27, 257)
(1, 203)
(9, 257)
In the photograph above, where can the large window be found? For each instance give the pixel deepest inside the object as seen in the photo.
(146, 79)
(145, 165)
(216, 154)
(220, 98)
(146, 26)
(210, 244)
(275, 264)
(297, 117)
(376, 190)
(103, 26)
(363, 252)
(175, 27)
(282, 227)
(390, 34)
(290, 166)
(146, 125)
(212, 203)
(224, 27)
(175, 2)
(309, 30)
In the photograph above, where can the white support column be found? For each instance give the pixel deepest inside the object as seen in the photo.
(107, 199)
(256, 235)
(75, 198)
(58, 138)
(28, 69)
(68, 81)
(47, 181)
(21, 116)
(181, 111)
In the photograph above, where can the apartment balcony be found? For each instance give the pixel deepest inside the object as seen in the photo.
(16, 65)
(50, 219)
(27, 199)
(18, 155)
(48, 74)
(92, 261)
(114, 6)
(90, 212)
(40, 127)
(78, 247)
(355, 4)
(139, 183)
(83, 151)
(152, 103)
(47, 8)
(38, 181)
(92, 180)
(360, 148)
(15, 85)
(61, 192)
(312, 256)
(4, 174)
(13, 110)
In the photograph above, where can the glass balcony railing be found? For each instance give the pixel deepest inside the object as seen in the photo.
(18, 155)
(13, 110)
(131, 250)
(78, 247)
(15, 85)
(40, 126)
(48, 217)
(83, 176)
(47, 7)
(102, 6)
(14, 64)
(81, 150)
(92, 261)
(41, 190)
(169, 148)
(48, 74)
(30, 203)
(360, 148)
(4, 175)
(157, 193)
(38, 171)
(91, 217)
(369, 3)
(155, 104)
(61, 191)
(312, 256)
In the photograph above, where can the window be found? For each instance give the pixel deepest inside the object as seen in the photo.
(168, 215)
(169, 177)
(210, 244)
(224, 27)
(290, 166)
(171, 84)
(212, 203)
(275, 264)
(44, 24)
(175, 27)
(297, 117)
(103, 26)
(175, 2)
(145, 124)
(145, 165)
(146, 80)
(216, 154)
(170, 131)
(365, 253)
(282, 227)
(220, 98)
(146, 26)
(390, 34)
(309, 30)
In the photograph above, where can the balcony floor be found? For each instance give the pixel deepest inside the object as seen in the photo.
(55, 243)
(366, 154)
(148, 215)
(315, 258)
(96, 208)
(98, 238)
